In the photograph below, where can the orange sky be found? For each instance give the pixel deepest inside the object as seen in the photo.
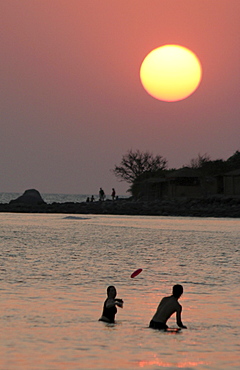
(72, 102)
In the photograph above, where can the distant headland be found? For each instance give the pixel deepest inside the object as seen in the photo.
(32, 202)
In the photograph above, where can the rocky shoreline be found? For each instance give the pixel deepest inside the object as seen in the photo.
(204, 207)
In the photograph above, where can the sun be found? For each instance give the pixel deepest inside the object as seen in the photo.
(171, 73)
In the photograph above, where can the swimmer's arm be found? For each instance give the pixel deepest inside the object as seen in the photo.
(113, 302)
(119, 302)
(179, 318)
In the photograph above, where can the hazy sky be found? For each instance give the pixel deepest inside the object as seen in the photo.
(72, 102)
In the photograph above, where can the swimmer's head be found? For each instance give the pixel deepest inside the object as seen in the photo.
(111, 291)
(177, 290)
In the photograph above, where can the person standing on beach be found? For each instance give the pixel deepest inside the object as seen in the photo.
(113, 193)
(109, 307)
(167, 307)
(101, 194)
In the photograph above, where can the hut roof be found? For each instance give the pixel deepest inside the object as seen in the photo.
(233, 173)
(184, 172)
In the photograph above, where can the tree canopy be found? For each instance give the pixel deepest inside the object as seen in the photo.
(199, 161)
(215, 167)
(136, 163)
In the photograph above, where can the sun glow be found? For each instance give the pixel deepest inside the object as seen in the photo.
(171, 73)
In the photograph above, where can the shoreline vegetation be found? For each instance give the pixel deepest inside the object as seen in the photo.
(185, 207)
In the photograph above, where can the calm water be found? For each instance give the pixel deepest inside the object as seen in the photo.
(54, 271)
(59, 198)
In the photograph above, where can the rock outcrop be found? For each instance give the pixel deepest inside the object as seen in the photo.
(204, 207)
(31, 197)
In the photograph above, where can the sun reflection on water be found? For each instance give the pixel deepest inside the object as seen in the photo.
(182, 364)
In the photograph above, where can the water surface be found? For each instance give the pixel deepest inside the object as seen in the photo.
(54, 271)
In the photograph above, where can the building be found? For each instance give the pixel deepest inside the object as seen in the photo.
(231, 181)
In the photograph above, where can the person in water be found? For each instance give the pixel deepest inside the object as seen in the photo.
(109, 307)
(167, 307)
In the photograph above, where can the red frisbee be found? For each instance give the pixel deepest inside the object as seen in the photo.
(136, 273)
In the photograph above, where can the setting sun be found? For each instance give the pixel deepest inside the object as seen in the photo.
(170, 73)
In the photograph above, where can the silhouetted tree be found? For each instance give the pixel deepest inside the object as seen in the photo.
(136, 163)
(233, 162)
(216, 167)
(199, 161)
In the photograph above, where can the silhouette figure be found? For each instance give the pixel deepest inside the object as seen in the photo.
(113, 193)
(101, 194)
(109, 307)
(167, 307)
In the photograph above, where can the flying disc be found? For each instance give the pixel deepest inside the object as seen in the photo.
(136, 273)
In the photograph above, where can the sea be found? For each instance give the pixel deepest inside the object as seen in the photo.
(58, 198)
(55, 269)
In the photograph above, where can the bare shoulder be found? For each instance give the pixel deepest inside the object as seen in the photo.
(179, 307)
(175, 303)
(163, 300)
